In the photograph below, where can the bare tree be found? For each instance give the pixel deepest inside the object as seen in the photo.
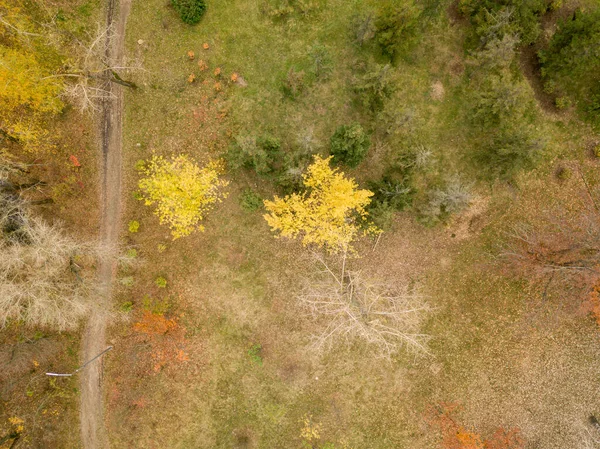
(43, 280)
(563, 250)
(560, 252)
(92, 71)
(352, 307)
(590, 435)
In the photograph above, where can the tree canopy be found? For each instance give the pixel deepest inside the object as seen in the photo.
(182, 191)
(330, 213)
(29, 92)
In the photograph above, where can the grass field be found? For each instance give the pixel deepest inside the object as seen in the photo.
(236, 368)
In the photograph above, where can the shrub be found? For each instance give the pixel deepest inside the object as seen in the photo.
(493, 19)
(261, 154)
(563, 173)
(510, 150)
(190, 11)
(571, 62)
(500, 100)
(250, 200)
(290, 180)
(363, 29)
(127, 306)
(160, 282)
(255, 354)
(454, 435)
(562, 102)
(374, 88)
(293, 85)
(453, 197)
(349, 144)
(396, 26)
(382, 215)
(322, 65)
(127, 281)
(498, 53)
(397, 192)
(134, 226)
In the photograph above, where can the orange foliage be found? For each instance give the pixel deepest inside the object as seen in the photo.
(191, 78)
(234, 77)
(190, 55)
(153, 323)
(166, 338)
(467, 440)
(202, 65)
(505, 439)
(74, 160)
(182, 356)
(205, 46)
(218, 71)
(456, 436)
(594, 300)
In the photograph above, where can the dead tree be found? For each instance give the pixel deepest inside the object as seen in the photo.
(43, 276)
(351, 307)
(562, 249)
(92, 72)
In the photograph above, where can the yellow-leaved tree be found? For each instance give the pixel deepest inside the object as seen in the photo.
(330, 213)
(182, 191)
(29, 91)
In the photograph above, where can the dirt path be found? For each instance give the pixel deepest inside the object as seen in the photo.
(93, 432)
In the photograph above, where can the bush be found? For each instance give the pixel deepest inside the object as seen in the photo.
(293, 85)
(283, 10)
(133, 226)
(349, 144)
(250, 200)
(493, 19)
(451, 198)
(255, 354)
(498, 53)
(127, 306)
(290, 180)
(396, 26)
(160, 282)
(363, 29)
(571, 62)
(190, 11)
(396, 192)
(509, 151)
(499, 99)
(321, 62)
(381, 214)
(374, 88)
(261, 154)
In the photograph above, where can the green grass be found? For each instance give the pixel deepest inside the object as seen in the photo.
(233, 287)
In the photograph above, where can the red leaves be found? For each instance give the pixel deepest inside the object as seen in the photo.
(456, 436)
(74, 161)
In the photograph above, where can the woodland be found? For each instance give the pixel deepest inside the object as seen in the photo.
(311, 224)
